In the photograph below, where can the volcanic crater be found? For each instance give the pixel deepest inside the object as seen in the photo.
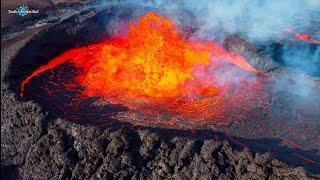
(252, 114)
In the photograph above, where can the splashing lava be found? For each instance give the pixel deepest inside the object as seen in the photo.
(155, 72)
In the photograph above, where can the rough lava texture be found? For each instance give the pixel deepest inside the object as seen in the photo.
(36, 145)
(70, 151)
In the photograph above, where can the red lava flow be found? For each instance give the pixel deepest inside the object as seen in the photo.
(303, 37)
(307, 38)
(164, 79)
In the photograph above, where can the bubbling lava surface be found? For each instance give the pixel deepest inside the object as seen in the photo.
(163, 78)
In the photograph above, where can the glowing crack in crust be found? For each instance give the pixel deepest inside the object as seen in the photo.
(153, 69)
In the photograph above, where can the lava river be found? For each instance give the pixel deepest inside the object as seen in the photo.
(161, 77)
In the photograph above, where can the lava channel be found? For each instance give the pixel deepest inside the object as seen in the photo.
(162, 78)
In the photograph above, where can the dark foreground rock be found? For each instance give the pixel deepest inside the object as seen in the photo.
(70, 151)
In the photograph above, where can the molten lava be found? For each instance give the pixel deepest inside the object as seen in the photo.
(302, 36)
(154, 70)
(305, 37)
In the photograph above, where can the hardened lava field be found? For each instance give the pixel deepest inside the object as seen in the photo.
(161, 78)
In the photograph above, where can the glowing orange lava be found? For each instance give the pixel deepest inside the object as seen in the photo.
(302, 36)
(305, 37)
(153, 70)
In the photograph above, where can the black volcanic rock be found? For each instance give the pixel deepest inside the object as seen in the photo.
(251, 52)
(74, 151)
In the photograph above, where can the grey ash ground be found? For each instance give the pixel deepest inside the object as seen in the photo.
(37, 145)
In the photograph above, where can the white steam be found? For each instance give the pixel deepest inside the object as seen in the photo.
(259, 20)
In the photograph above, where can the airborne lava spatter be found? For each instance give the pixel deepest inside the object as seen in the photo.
(153, 70)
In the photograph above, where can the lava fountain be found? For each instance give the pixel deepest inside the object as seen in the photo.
(163, 78)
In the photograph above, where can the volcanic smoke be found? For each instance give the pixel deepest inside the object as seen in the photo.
(154, 70)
